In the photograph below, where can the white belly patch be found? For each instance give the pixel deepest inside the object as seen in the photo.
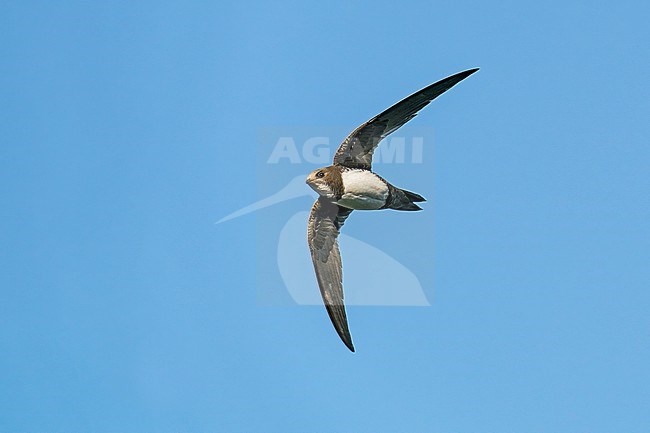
(363, 190)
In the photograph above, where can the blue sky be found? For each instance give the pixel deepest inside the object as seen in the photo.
(129, 129)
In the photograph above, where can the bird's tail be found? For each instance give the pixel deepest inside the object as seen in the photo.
(400, 199)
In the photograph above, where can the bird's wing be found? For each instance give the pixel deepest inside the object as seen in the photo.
(356, 150)
(325, 222)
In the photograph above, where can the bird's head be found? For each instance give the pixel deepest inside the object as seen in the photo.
(326, 181)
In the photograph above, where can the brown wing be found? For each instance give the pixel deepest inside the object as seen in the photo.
(356, 150)
(325, 221)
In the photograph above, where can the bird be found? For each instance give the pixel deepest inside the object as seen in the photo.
(350, 184)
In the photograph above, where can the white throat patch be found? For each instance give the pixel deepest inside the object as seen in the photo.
(363, 189)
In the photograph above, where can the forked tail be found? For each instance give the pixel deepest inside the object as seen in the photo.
(400, 199)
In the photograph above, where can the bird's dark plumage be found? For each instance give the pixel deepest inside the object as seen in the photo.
(325, 222)
(357, 149)
(348, 184)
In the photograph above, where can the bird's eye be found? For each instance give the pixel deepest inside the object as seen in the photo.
(320, 174)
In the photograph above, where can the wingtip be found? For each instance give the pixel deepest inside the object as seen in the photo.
(452, 80)
(346, 338)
